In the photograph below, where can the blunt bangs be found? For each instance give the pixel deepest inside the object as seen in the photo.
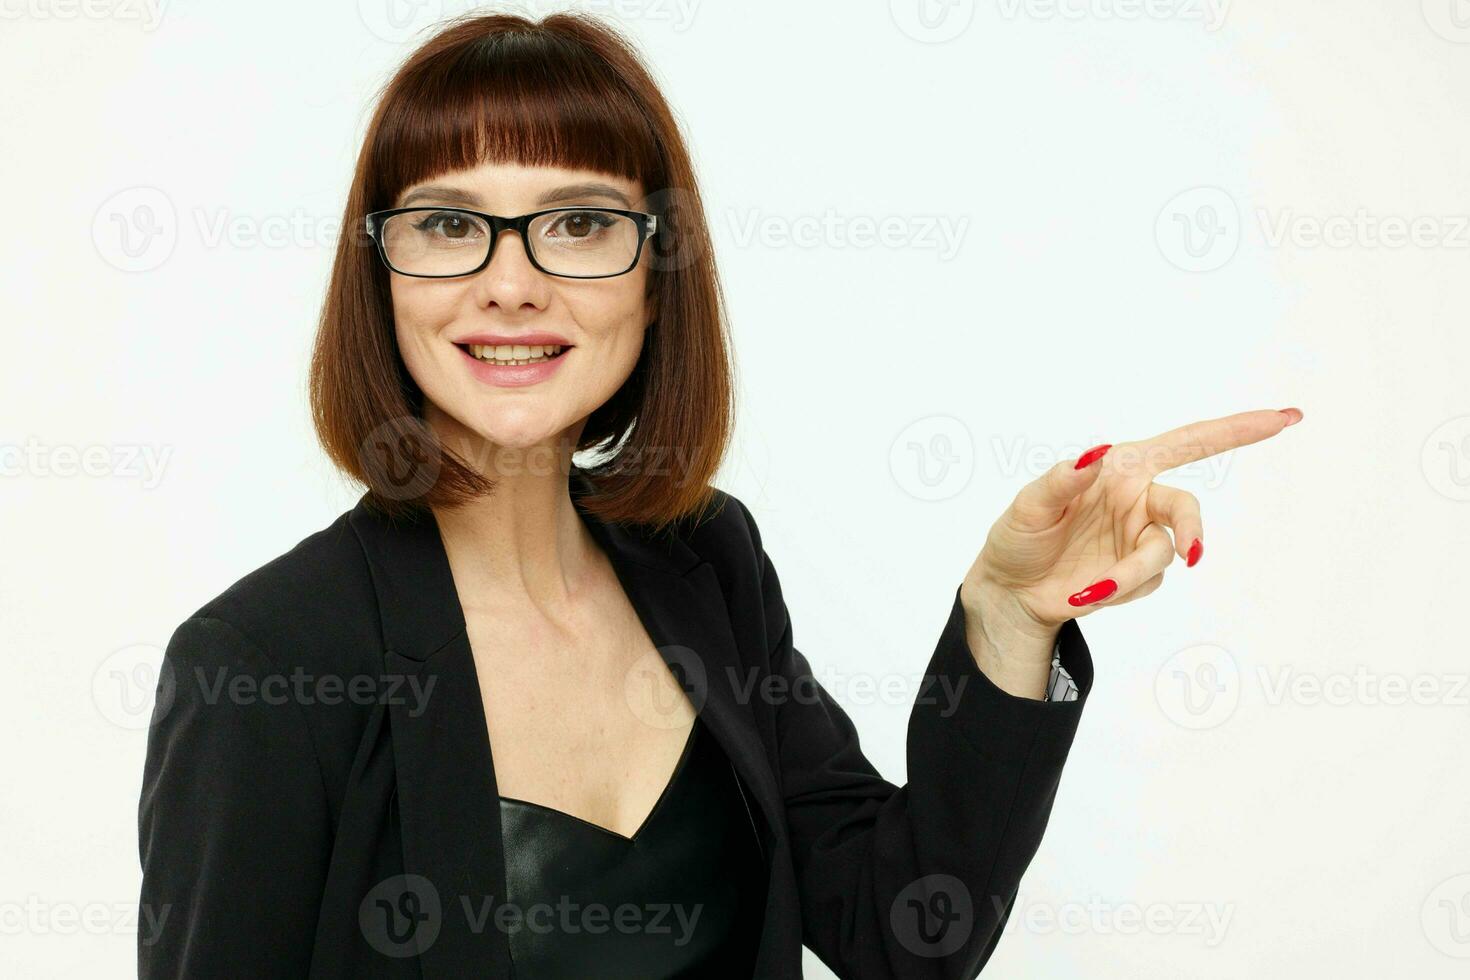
(533, 99)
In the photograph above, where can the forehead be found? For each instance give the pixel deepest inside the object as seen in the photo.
(508, 188)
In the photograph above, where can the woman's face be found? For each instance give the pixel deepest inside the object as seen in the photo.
(599, 323)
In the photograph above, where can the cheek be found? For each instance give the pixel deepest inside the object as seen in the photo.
(419, 313)
(419, 316)
(615, 319)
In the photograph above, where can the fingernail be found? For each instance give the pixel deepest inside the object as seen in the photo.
(1195, 550)
(1092, 455)
(1096, 592)
(1293, 415)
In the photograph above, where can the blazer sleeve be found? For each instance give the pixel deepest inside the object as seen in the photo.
(918, 880)
(233, 825)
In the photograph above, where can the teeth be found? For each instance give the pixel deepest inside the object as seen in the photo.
(515, 353)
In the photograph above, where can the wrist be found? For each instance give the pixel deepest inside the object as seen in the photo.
(1004, 621)
(1011, 648)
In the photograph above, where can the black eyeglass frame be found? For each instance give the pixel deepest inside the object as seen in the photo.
(376, 220)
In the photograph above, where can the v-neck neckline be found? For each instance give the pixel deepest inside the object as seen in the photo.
(658, 804)
(450, 824)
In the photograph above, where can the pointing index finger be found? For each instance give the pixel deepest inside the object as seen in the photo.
(1201, 440)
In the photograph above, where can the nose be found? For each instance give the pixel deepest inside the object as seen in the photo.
(510, 281)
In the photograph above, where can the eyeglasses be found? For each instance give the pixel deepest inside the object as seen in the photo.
(577, 243)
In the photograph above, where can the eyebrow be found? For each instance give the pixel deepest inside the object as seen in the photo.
(567, 192)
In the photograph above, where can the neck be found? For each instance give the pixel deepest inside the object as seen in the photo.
(525, 541)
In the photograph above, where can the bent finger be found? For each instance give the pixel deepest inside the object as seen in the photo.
(1178, 510)
(1146, 588)
(1154, 553)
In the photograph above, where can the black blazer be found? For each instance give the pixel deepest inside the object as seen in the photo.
(306, 810)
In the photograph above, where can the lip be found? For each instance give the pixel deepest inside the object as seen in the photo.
(497, 339)
(513, 375)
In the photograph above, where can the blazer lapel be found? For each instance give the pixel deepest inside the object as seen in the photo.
(448, 805)
(448, 800)
(687, 619)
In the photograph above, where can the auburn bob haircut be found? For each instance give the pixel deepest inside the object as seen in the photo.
(567, 90)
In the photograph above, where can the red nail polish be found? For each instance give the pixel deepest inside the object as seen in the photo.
(1195, 550)
(1092, 455)
(1096, 592)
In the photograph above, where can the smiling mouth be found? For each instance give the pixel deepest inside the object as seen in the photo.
(513, 355)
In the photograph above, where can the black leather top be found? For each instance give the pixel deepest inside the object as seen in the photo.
(683, 897)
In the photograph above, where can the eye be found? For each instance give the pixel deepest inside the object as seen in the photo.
(448, 224)
(581, 224)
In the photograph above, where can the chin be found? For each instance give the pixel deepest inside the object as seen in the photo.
(520, 435)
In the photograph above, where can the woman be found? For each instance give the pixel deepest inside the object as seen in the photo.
(670, 793)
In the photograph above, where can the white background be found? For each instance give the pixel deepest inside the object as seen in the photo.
(1118, 175)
